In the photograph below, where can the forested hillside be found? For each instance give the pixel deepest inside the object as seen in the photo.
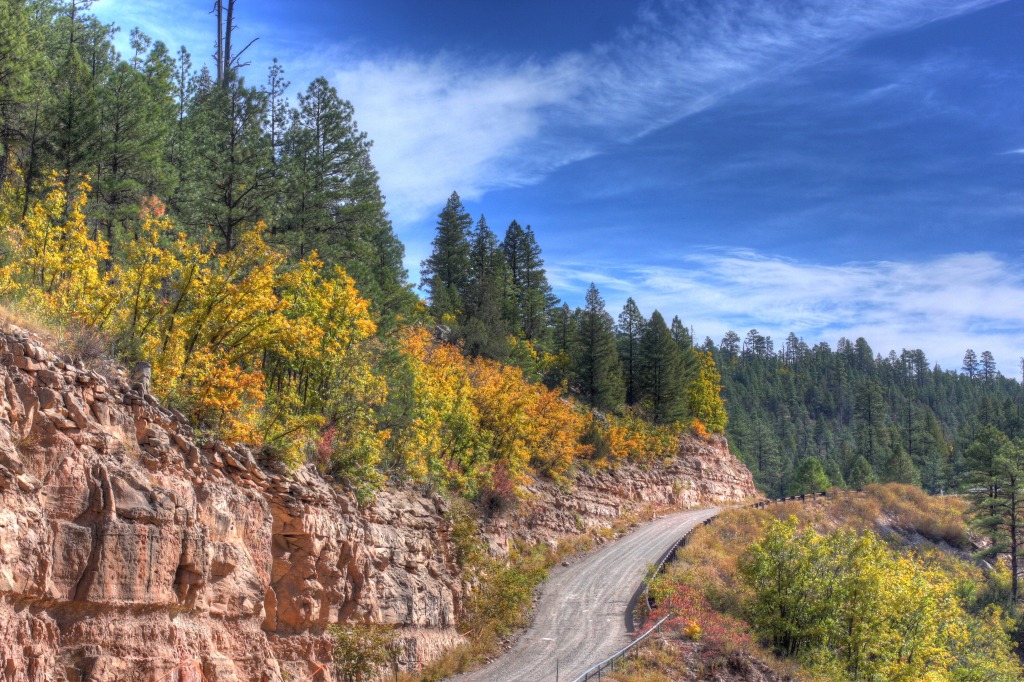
(862, 415)
(229, 234)
(230, 230)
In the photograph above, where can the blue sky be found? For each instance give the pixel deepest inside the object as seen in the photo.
(831, 168)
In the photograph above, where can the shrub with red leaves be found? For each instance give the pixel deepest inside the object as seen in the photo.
(325, 447)
(720, 634)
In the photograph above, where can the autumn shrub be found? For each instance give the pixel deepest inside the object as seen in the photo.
(851, 606)
(256, 349)
(480, 428)
(708, 561)
(615, 438)
(250, 348)
(831, 587)
(693, 618)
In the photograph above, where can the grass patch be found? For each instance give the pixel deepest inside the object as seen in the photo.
(77, 343)
(887, 509)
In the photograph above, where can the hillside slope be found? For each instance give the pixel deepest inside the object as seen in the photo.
(128, 544)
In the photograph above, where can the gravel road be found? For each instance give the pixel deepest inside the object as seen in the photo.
(581, 617)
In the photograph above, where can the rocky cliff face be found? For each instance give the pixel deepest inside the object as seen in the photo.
(129, 548)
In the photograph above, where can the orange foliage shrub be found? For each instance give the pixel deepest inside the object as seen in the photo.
(481, 426)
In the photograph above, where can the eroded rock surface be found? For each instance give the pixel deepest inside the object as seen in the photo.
(129, 549)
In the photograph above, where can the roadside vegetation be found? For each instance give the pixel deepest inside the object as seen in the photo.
(880, 585)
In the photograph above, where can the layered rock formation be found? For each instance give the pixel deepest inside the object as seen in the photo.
(130, 549)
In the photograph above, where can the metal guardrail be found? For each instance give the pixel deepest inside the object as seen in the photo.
(608, 664)
(795, 498)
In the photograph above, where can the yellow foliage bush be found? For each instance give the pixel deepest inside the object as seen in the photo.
(261, 351)
(629, 436)
(253, 349)
(692, 631)
(824, 589)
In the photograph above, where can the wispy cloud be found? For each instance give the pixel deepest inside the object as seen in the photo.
(444, 123)
(186, 23)
(942, 306)
(441, 125)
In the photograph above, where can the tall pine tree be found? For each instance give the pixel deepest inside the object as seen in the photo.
(482, 325)
(446, 272)
(596, 363)
(661, 380)
(227, 180)
(529, 291)
(629, 330)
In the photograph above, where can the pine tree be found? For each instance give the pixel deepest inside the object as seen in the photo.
(529, 291)
(872, 419)
(136, 110)
(16, 70)
(277, 106)
(183, 89)
(809, 478)
(769, 464)
(483, 327)
(901, 469)
(333, 200)
(332, 189)
(730, 347)
(834, 473)
(927, 447)
(970, 366)
(687, 353)
(629, 331)
(987, 366)
(680, 334)
(226, 183)
(74, 116)
(661, 382)
(999, 505)
(980, 458)
(563, 330)
(446, 272)
(596, 364)
(861, 474)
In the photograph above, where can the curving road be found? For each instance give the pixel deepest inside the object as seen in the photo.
(581, 617)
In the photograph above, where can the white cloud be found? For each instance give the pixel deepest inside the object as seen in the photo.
(174, 23)
(444, 123)
(440, 125)
(943, 306)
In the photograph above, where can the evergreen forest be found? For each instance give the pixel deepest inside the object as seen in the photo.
(858, 416)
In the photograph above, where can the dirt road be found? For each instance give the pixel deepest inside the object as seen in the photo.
(581, 617)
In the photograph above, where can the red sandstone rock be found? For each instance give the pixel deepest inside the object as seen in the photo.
(127, 551)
